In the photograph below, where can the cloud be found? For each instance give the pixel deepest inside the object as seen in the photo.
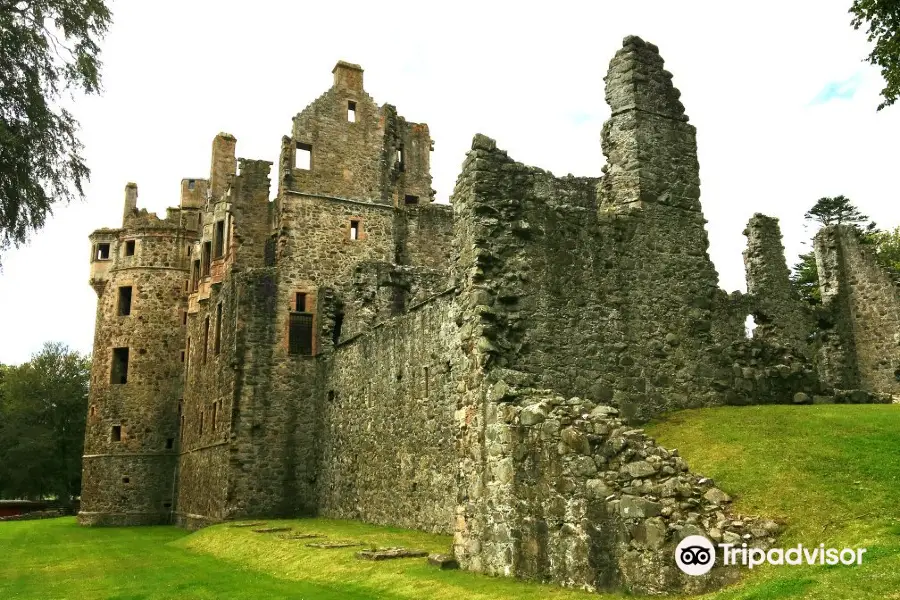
(838, 90)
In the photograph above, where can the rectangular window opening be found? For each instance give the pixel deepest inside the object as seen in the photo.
(303, 156)
(354, 230)
(116, 433)
(195, 277)
(102, 251)
(409, 199)
(207, 250)
(170, 443)
(126, 479)
(401, 163)
(200, 426)
(300, 334)
(124, 300)
(351, 111)
(119, 370)
(219, 239)
(205, 338)
(129, 247)
(191, 184)
(184, 317)
(300, 302)
(215, 415)
(218, 344)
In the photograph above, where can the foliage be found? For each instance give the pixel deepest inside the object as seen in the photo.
(887, 249)
(47, 48)
(835, 211)
(805, 278)
(43, 406)
(881, 19)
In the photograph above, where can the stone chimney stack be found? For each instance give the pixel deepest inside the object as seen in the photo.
(131, 194)
(223, 166)
(348, 76)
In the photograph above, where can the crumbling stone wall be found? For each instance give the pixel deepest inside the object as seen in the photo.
(861, 317)
(778, 312)
(573, 495)
(387, 410)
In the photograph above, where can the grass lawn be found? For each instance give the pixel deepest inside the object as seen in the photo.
(832, 473)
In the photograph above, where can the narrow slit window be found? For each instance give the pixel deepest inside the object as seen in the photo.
(354, 230)
(300, 334)
(219, 239)
(218, 344)
(215, 415)
(125, 300)
(303, 156)
(187, 354)
(195, 277)
(102, 251)
(201, 422)
(205, 338)
(129, 247)
(426, 382)
(300, 302)
(116, 433)
(401, 162)
(119, 370)
(409, 199)
(351, 111)
(184, 317)
(207, 249)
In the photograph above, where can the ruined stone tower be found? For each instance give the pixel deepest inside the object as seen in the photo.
(139, 272)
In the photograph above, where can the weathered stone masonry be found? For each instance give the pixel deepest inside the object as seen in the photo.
(353, 350)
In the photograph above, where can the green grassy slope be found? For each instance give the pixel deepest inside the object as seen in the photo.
(832, 473)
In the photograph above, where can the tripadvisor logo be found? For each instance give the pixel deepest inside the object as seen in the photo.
(696, 555)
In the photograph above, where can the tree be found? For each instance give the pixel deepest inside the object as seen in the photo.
(835, 211)
(881, 19)
(805, 278)
(47, 48)
(43, 409)
(887, 250)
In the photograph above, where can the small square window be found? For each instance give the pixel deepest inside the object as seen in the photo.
(129, 247)
(303, 156)
(351, 111)
(126, 479)
(102, 251)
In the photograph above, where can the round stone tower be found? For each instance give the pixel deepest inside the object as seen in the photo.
(140, 274)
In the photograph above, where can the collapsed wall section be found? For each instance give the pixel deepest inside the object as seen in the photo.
(778, 312)
(388, 454)
(861, 348)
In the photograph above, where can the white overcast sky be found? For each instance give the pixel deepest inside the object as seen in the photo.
(783, 104)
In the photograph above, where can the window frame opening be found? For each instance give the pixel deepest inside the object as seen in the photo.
(355, 229)
(351, 111)
(118, 372)
(303, 159)
(103, 251)
(124, 300)
(130, 246)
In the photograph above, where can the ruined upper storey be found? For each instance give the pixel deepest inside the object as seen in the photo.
(344, 145)
(651, 149)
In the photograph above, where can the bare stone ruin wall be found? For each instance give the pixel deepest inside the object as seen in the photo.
(862, 346)
(389, 395)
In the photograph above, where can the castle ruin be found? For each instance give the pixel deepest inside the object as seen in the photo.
(354, 350)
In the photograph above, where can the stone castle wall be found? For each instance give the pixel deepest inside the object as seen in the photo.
(861, 348)
(387, 411)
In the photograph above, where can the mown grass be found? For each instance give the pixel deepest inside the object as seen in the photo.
(831, 473)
